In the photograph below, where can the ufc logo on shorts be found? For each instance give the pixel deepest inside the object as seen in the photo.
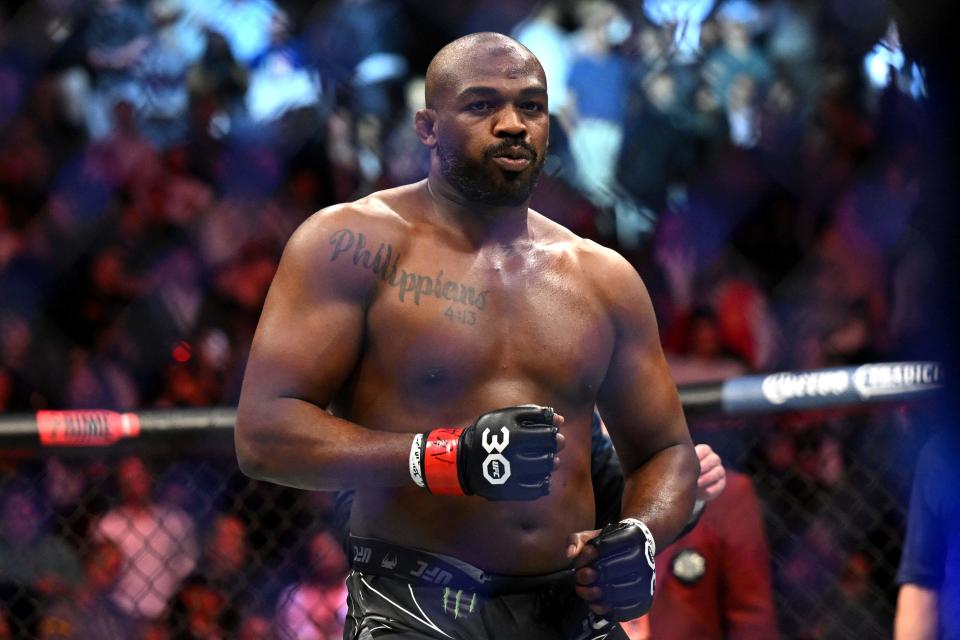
(496, 468)
(436, 575)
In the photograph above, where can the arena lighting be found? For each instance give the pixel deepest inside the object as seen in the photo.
(685, 15)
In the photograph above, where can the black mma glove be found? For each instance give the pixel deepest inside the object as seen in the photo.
(506, 454)
(625, 569)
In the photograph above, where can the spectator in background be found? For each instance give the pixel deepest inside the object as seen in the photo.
(6, 389)
(743, 119)
(543, 34)
(782, 119)
(123, 156)
(35, 565)
(227, 567)
(792, 44)
(244, 24)
(256, 627)
(597, 93)
(15, 338)
(359, 46)
(405, 159)
(280, 81)
(316, 607)
(657, 151)
(116, 36)
(87, 612)
(12, 76)
(101, 378)
(168, 313)
(218, 85)
(25, 162)
(737, 55)
(747, 327)
(199, 373)
(854, 608)
(185, 196)
(71, 491)
(703, 356)
(162, 71)
(158, 542)
(201, 611)
(108, 286)
(929, 574)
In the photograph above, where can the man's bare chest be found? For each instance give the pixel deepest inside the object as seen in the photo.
(445, 322)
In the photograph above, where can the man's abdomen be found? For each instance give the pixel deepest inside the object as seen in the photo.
(510, 538)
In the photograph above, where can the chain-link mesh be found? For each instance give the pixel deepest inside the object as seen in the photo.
(834, 490)
(138, 546)
(101, 544)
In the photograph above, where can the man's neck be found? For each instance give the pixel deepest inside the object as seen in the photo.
(482, 224)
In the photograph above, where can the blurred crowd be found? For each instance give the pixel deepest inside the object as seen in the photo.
(761, 162)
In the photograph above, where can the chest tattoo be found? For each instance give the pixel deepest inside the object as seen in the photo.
(410, 285)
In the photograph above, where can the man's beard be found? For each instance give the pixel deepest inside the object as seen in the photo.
(478, 182)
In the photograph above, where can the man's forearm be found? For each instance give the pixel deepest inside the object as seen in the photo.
(917, 615)
(296, 443)
(661, 492)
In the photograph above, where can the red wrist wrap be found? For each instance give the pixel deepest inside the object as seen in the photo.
(440, 462)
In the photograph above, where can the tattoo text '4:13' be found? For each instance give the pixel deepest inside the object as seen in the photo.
(460, 316)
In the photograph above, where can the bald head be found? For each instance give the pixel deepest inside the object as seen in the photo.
(462, 56)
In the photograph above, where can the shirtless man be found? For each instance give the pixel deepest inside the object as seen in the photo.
(434, 347)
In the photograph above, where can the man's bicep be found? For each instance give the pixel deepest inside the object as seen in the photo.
(638, 399)
(640, 405)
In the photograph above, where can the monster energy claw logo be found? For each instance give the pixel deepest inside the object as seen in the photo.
(458, 602)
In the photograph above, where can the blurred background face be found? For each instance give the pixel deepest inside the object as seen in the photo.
(705, 338)
(62, 482)
(204, 606)
(327, 560)
(134, 480)
(256, 628)
(103, 565)
(228, 545)
(21, 518)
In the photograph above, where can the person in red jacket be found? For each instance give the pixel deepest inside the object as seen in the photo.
(714, 582)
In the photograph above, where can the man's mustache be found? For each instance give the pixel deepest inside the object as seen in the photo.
(509, 147)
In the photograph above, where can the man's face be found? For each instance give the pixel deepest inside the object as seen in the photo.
(492, 129)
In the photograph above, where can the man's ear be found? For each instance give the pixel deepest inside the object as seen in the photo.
(425, 123)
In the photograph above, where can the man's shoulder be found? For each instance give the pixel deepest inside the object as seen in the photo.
(382, 212)
(591, 256)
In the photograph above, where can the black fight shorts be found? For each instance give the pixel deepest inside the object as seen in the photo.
(397, 593)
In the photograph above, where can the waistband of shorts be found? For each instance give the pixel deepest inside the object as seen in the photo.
(425, 568)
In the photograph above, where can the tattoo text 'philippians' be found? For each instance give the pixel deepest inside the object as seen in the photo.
(353, 246)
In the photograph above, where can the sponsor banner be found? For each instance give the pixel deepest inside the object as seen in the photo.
(824, 388)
